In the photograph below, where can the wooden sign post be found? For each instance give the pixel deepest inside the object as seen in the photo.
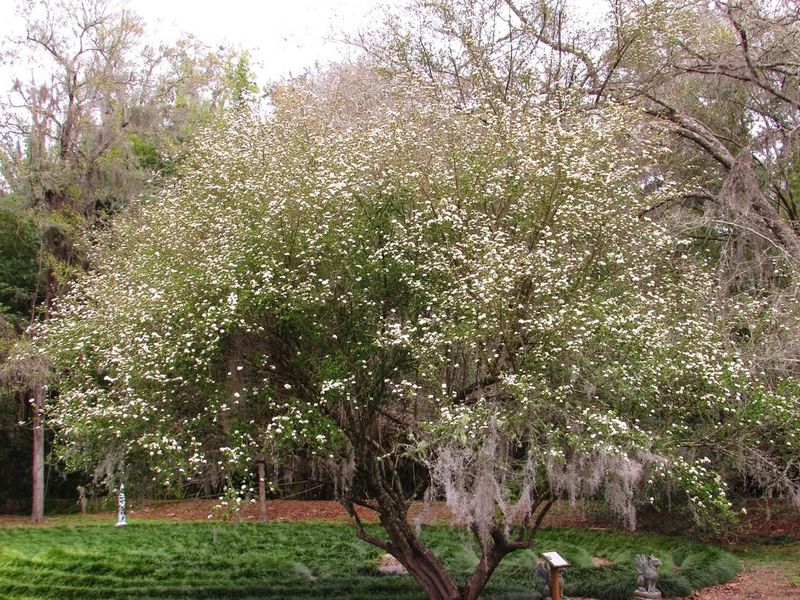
(557, 564)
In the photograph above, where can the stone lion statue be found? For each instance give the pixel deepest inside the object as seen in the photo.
(647, 567)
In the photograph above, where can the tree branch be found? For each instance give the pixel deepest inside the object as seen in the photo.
(560, 46)
(361, 533)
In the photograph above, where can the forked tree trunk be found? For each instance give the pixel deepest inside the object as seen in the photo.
(431, 574)
(37, 408)
(421, 563)
(425, 567)
(382, 479)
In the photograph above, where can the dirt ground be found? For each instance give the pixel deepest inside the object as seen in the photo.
(756, 582)
(561, 515)
(306, 510)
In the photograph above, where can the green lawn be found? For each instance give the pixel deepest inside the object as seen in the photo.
(311, 560)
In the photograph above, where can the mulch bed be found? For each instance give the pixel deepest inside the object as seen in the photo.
(561, 515)
(755, 583)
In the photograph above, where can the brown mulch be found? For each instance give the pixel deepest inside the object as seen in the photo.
(277, 510)
(561, 515)
(754, 583)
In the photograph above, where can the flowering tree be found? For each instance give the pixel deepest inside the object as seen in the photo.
(425, 298)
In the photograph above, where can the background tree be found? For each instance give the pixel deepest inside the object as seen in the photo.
(488, 53)
(721, 76)
(729, 87)
(99, 115)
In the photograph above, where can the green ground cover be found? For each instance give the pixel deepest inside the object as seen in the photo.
(150, 560)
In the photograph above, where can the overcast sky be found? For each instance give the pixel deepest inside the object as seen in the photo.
(285, 36)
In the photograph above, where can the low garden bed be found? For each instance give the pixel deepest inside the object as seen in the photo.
(151, 559)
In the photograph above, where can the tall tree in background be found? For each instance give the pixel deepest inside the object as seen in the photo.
(719, 78)
(83, 133)
(722, 76)
(723, 79)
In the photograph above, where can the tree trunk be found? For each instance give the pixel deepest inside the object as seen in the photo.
(425, 567)
(479, 579)
(262, 493)
(403, 544)
(429, 572)
(493, 551)
(37, 408)
(421, 563)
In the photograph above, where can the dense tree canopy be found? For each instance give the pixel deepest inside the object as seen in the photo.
(422, 297)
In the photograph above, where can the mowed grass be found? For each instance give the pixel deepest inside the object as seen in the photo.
(313, 560)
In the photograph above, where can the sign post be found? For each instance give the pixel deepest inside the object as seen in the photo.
(556, 563)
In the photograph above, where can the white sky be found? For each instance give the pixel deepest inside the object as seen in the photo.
(285, 36)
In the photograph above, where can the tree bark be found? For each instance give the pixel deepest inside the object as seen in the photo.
(480, 577)
(421, 563)
(37, 408)
(262, 493)
(495, 549)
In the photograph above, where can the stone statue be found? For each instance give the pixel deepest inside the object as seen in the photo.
(122, 521)
(543, 571)
(647, 567)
